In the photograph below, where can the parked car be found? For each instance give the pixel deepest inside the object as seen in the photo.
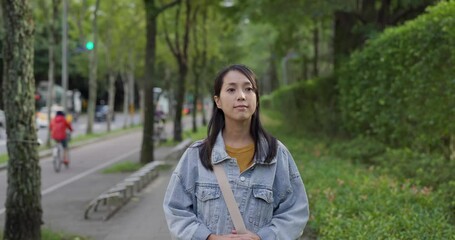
(41, 116)
(101, 113)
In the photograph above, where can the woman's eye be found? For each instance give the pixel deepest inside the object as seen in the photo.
(230, 90)
(249, 89)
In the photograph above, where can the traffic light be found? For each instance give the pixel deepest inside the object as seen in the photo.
(89, 45)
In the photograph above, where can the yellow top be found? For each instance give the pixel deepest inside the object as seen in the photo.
(244, 155)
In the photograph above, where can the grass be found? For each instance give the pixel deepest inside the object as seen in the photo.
(201, 133)
(353, 201)
(123, 167)
(3, 158)
(47, 234)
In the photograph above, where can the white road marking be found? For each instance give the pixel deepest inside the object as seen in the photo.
(83, 174)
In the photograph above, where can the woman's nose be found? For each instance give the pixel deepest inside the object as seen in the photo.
(241, 95)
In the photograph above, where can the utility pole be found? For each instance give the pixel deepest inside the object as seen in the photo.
(290, 55)
(65, 53)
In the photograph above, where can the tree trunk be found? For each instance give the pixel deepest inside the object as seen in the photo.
(152, 12)
(316, 49)
(23, 216)
(111, 99)
(195, 100)
(149, 107)
(180, 51)
(141, 105)
(452, 148)
(131, 92)
(111, 80)
(180, 97)
(93, 84)
(345, 40)
(305, 68)
(126, 96)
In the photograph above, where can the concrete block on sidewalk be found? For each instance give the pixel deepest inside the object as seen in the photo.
(177, 151)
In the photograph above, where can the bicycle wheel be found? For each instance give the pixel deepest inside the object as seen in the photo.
(57, 155)
(67, 164)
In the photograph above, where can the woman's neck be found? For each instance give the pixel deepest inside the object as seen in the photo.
(237, 135)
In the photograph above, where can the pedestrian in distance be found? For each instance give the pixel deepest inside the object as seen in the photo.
(267, 187)
(59, 126)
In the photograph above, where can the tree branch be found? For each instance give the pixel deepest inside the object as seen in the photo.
(186, 37)
(177, 33)
(166, 37)
(164, 7)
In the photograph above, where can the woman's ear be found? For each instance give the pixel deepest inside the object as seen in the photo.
(217, 101)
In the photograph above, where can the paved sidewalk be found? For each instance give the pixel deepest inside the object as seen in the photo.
(141, 218)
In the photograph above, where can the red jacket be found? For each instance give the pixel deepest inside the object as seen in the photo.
(58, 128)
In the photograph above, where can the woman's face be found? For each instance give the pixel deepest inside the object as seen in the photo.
(237, 98)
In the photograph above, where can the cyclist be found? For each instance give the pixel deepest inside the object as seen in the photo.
(58, 128)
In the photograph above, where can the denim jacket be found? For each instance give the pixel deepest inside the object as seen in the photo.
(271, 196)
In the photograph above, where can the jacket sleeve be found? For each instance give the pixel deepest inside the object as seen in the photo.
(292, 212)
(178, 207)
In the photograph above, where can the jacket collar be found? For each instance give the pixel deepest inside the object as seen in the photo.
(219, 153)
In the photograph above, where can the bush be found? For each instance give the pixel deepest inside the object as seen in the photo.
(400, 88)
(360, 149)
(309, 105)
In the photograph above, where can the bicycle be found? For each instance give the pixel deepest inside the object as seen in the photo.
(159, 132)
(58, 155)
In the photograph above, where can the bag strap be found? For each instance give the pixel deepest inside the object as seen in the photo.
(232, 206)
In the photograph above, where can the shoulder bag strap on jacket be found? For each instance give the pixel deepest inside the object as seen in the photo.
(232, 206)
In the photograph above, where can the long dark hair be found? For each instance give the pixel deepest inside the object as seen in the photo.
(216, 123)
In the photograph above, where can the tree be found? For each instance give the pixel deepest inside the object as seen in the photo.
(51, 34)
(122, 53)
(23, 201)
(199, 60)
(93, 86)
(152, 13)
(355, 22)
(179, 48)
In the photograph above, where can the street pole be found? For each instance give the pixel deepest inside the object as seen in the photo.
(65, 53)
(290, 55)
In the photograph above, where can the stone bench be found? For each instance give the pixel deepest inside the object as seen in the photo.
(110, 201)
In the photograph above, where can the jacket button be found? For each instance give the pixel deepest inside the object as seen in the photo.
(242, 179)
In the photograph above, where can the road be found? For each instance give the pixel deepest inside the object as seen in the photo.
(80, 127)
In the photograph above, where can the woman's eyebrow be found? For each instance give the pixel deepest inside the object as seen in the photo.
(243, 84)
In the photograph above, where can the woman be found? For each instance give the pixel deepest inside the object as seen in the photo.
(262, 173)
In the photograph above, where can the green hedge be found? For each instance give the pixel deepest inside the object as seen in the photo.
(400, 88)
(309, 105)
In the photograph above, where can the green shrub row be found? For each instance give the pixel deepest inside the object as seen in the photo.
(349, 201)
(311, 105)
(400, 88)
